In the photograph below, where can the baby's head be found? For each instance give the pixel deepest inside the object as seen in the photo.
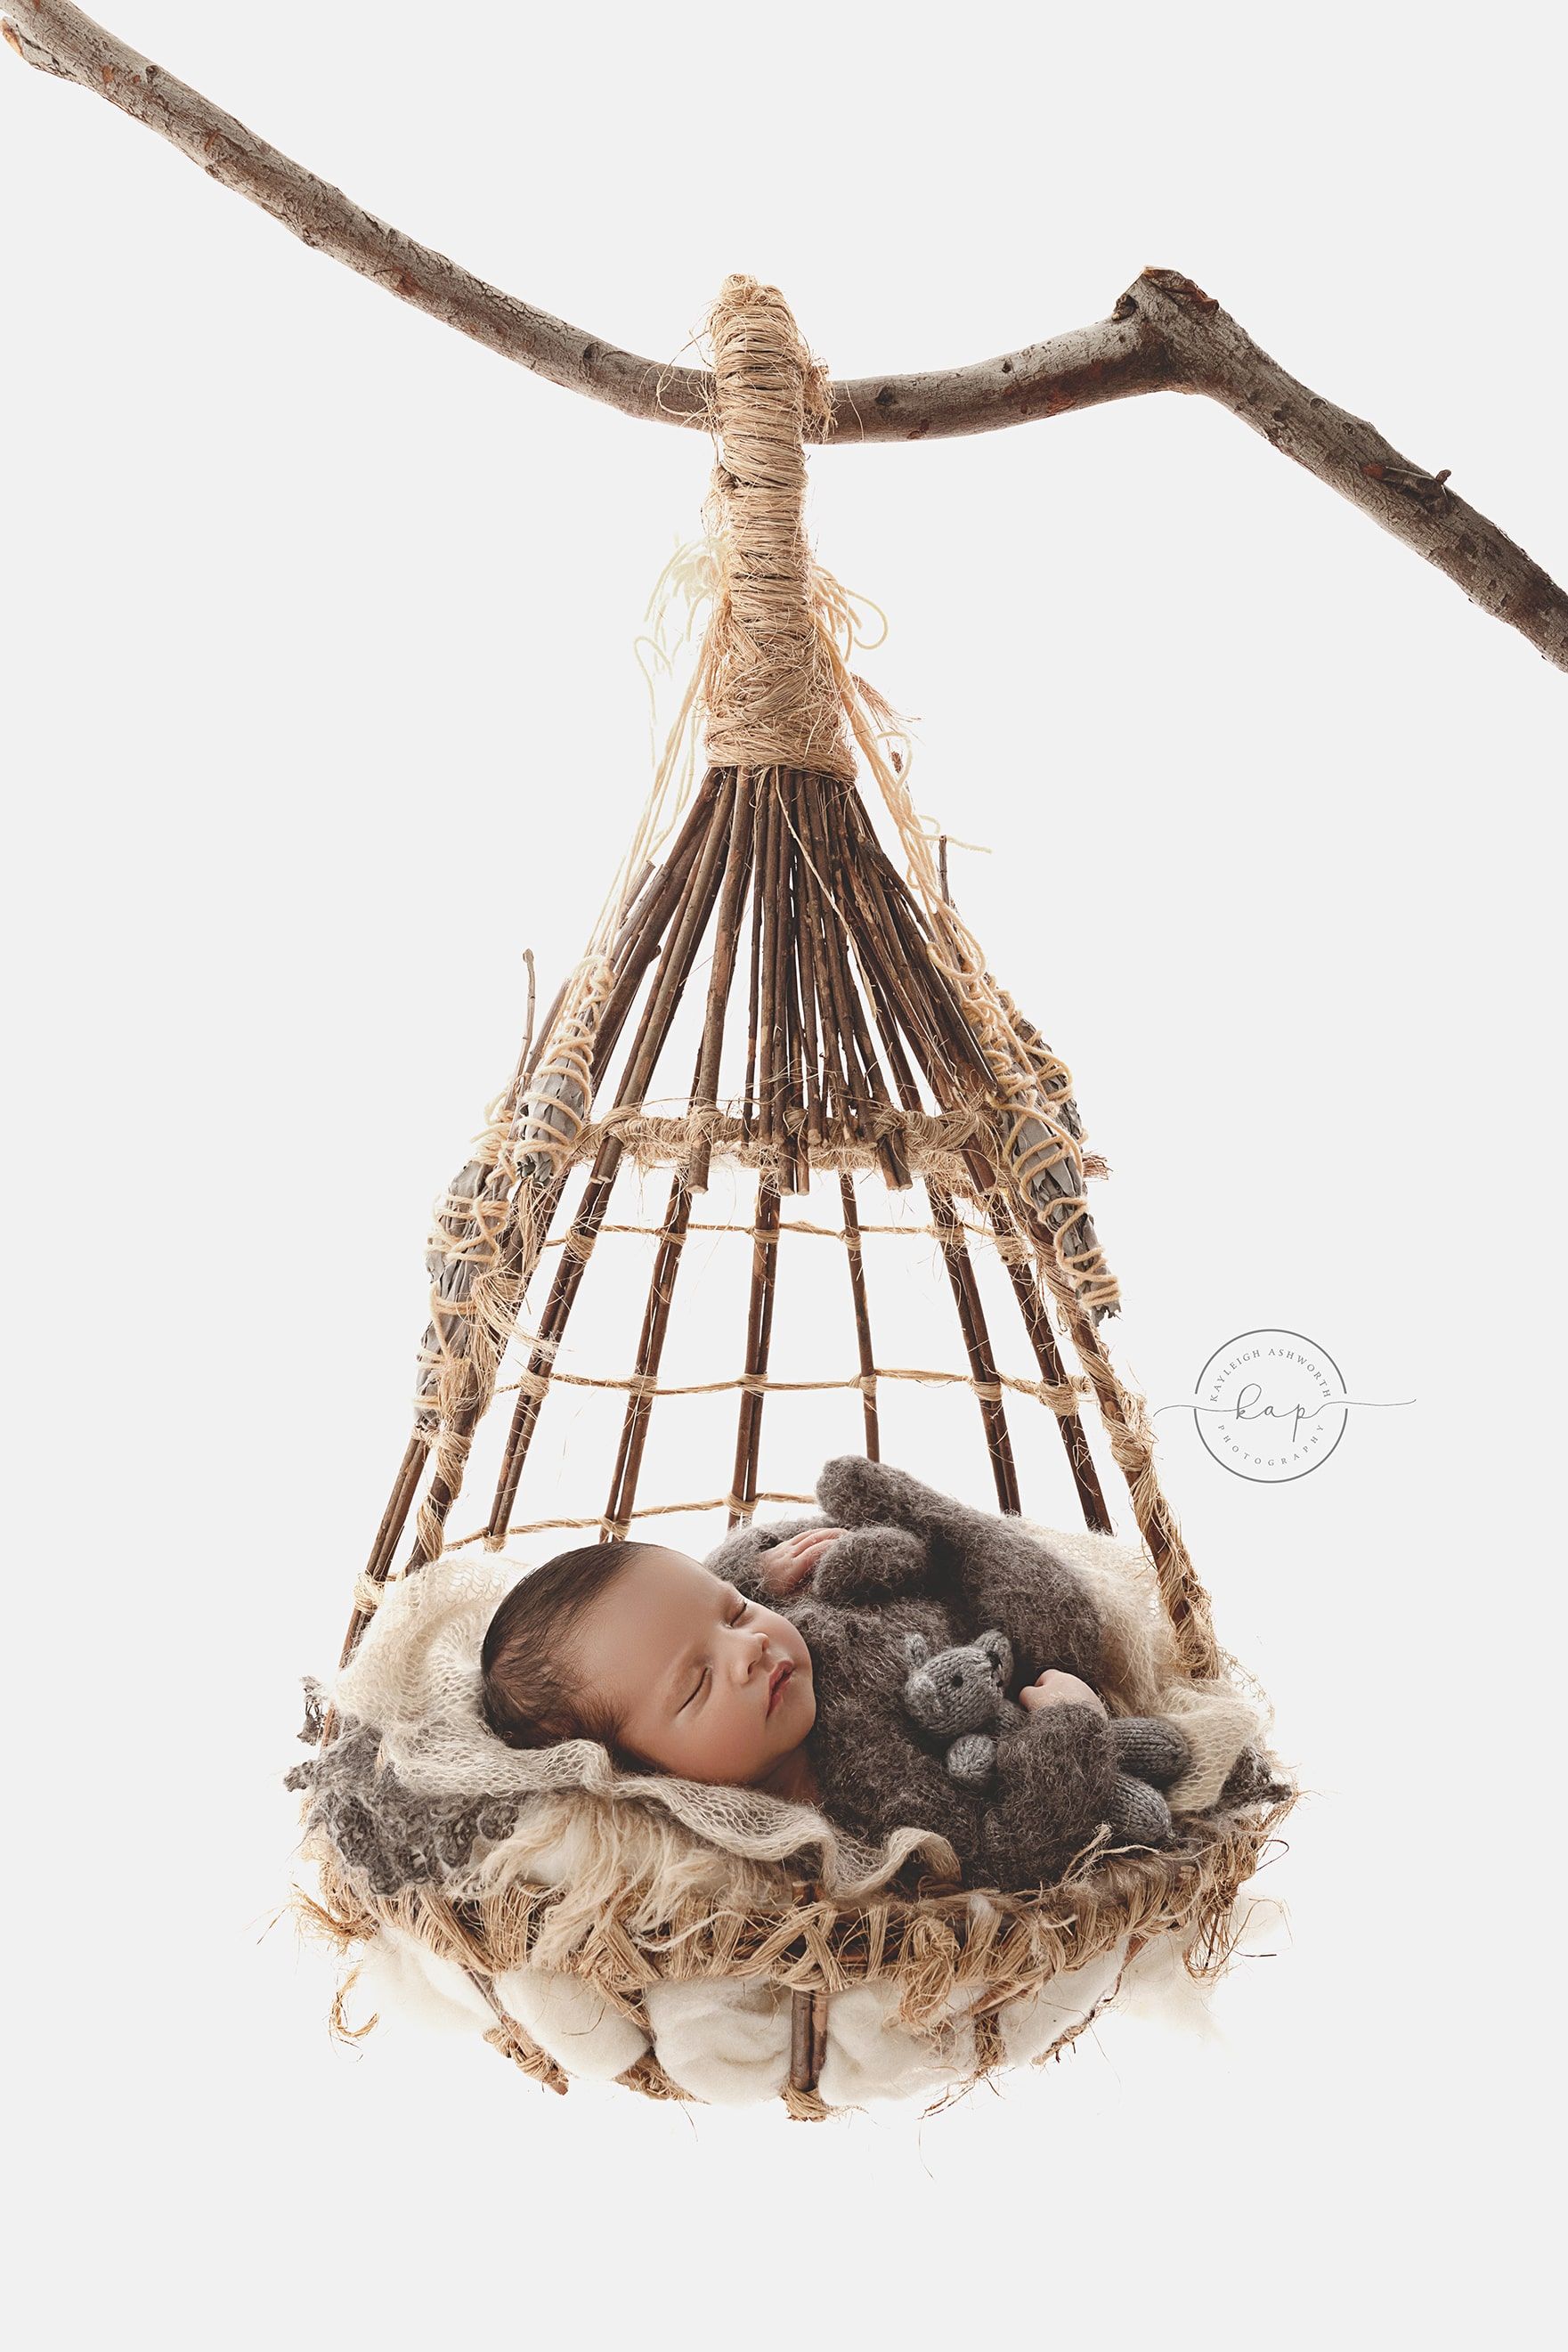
(655, 1657)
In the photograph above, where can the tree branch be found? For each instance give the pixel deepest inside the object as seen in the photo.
(1164, 334)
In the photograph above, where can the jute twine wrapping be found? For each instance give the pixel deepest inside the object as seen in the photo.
(771, 694)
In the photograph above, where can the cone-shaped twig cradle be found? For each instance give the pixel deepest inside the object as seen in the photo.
(774, 996)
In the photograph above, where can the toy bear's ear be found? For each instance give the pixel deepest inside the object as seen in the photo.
(999, 1650)
(916, 1650)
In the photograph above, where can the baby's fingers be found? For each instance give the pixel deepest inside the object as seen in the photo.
(1057, 1688)
(790, 1563)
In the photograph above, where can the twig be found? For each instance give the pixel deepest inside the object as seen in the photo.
(650, 1356)
(855, 1249)
(978, 1346)
(737, 873)
(758, 1340)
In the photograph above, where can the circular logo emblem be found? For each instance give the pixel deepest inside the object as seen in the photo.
(1270, 1405)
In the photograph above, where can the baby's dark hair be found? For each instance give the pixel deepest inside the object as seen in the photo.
(531, 1696)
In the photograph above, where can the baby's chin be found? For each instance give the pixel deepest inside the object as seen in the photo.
(802, 1721)
(797, 1707)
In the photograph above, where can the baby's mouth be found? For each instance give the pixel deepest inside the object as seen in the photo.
(775, 1688)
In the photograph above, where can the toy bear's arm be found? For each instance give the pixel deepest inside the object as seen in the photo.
(1000, 1574)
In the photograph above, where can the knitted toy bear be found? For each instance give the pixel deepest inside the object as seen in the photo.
(913, 1561)
(960, 1695)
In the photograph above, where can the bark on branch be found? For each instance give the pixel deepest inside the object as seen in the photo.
(1164, 334)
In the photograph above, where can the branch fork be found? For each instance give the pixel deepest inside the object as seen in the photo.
(1164, 334)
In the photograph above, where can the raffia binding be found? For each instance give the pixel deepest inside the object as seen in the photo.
(772, 697)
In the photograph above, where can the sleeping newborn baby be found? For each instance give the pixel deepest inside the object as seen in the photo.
(779, 1664)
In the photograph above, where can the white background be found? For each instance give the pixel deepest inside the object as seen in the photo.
(321, 703)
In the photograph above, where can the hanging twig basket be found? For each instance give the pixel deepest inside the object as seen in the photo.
(843, 1042)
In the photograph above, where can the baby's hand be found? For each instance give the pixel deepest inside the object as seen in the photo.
(787, 1565)
(1059, 1689)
